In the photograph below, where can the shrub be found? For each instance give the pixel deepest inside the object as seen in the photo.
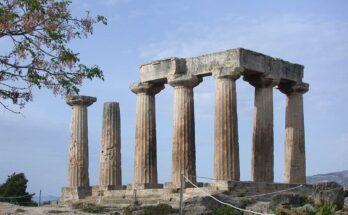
(20, 210)
(160, 209)
(225, 210)
(326, 209)
(56, 212)
(89, 208)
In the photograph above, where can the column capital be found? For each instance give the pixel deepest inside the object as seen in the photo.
(146, 87)
(289, 88)
(80, 100)
(262, 81)
(185, 80)
(227, 72)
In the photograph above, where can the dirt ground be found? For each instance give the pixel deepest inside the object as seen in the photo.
(9, 209)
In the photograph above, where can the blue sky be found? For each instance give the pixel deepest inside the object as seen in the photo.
(312, 33)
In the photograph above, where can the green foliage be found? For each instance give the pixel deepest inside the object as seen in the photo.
(323, 209)
(127, 210)
(19, 210)
(225, 210)
(40, 31)
(160, 209)
(14, 190)
(175, 191)
(89, 208)
(326, 209)
(56, 212)
(305, 200)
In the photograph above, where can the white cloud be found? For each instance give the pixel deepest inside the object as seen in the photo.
(288, 36)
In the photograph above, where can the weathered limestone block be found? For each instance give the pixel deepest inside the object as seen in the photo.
(110, 154)
(70, 194)
(285, 199)
(226, 147)
(262, 152)
(328, 192)
(295, 156)
(183, 152)
(78, 152)
(145, 155)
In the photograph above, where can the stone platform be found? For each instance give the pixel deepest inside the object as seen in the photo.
(127, 195)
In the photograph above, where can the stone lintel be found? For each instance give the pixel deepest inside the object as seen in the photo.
(186, 80)
(252, 63)
(146, 87)
(289, 88)
(80, 100)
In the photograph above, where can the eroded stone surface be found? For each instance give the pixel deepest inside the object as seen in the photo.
(252, 62)
(183, 152)
(295, 156)
(263, 146)
(328, 192)
(145, 153)
(226, 147)
(78, 151)
(110, 153)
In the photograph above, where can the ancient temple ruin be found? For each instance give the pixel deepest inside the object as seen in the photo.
(183, 74)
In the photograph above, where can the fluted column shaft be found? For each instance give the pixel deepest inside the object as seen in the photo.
(145, 157)
(295, 156)
(263, 147)
(78, 153)
(226, 147)
(110, 154)
(183, 151)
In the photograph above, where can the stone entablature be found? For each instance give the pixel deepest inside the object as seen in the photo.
(251, 62)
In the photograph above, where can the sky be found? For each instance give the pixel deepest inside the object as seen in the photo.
(313, 33)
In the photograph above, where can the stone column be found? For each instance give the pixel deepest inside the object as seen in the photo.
(145, 155)
(295, 156)
(262, 152)
(78, 152)
(183, 152)
(226, 147)
(110, 154)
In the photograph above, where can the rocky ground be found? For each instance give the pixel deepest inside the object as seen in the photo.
(9, 209)
(325, 199)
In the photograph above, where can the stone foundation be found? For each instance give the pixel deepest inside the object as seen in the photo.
(75, 193)
(170, 195)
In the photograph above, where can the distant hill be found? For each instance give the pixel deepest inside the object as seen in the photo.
(339, 177)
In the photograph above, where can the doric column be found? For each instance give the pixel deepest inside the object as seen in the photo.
(183, 154)
(78, 152)
(110, 154)
(226, 147)
(262, 153)
(295, 156)
(145, 157)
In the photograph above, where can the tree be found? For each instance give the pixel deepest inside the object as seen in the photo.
(39, 32)
(14, 190)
